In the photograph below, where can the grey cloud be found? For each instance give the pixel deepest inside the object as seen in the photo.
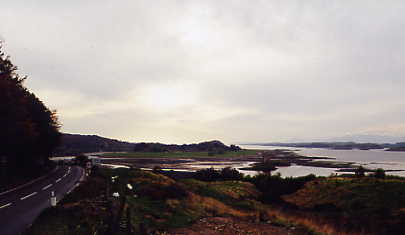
(263, 69)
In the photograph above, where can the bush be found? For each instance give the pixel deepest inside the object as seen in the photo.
(211, 174)
(379, 173)
(92, 188)
(360, 171)
(273, 186)
(157, 169)
(229, 173)
(81, 160)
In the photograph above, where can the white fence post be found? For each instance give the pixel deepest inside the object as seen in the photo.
(53, 199)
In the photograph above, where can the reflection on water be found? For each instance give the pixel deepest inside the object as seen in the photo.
(216, 165)
(293, 171)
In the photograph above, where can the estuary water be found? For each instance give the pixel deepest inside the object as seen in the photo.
(372, 159)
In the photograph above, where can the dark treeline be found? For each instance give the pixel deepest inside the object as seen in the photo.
(29, 130)
(214, 147)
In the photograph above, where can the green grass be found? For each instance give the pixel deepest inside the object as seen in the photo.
(362, 203)
(179, 154)
(157, 214)
(155, 203)
(345, 194)
(236, 194)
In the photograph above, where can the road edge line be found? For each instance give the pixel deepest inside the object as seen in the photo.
(6, 205)
(28, 196)
(31, 182)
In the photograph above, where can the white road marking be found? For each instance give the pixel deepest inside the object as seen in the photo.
(4, 206)
(21, 186)
(46, 187)
(30, 195)
(58, 180)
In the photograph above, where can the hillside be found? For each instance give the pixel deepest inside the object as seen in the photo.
(151, 203)
(214, 146)
(372, 205)
(159, 203)
(72, 144)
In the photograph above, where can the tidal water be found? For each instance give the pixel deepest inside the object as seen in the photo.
(372, 159)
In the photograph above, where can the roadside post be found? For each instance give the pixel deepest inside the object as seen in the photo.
(53, 199)
(88, 168)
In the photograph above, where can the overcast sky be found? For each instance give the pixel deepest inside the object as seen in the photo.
(235, 70)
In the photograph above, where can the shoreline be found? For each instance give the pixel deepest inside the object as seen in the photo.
(272, 158)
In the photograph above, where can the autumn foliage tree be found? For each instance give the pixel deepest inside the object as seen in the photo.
(29, 131)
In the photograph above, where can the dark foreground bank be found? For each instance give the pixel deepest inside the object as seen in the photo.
(131, 201)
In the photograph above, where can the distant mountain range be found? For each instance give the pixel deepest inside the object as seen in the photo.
(359, 138)
(380, 139)
(400, 146)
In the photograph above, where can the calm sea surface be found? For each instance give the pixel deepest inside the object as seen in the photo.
(368, 158)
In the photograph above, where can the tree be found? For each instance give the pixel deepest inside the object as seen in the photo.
(234, 147)
(209, 174)
(29, 130)
(360, 171)
(229, 173)
(81, 160)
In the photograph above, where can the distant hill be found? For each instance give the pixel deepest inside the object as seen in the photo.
(214, 146)
(338, 145)
(73, 144)
(363, 138)
(355, 138)
(329, 145)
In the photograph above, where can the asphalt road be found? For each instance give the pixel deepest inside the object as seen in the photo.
(19, 208)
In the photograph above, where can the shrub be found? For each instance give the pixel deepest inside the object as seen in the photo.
(157, 169)
(229, 173)
(210, 174)
(360, 171)
(379, 173)
(81, 160)
(273, 186)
